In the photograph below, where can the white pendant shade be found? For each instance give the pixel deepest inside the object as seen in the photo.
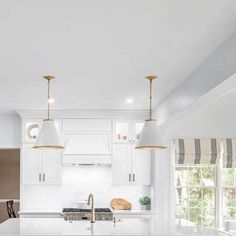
(150, 137)
(48, 137)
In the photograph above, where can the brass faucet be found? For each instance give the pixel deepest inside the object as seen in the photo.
(91, 202)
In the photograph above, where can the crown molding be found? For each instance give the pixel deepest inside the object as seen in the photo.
(66, 114)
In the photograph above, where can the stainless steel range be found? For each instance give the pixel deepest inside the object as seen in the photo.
(85, 214)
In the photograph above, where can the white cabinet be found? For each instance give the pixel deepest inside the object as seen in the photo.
(127, 131)
(31, 128)
(51, 166)
(130, 166)
(141, 166)
(41, 167)
(121, 164)
(31, 159)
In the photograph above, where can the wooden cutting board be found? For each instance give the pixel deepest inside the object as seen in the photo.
(120, 204)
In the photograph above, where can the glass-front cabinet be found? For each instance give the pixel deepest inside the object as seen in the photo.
(127, 131)
(31, 128)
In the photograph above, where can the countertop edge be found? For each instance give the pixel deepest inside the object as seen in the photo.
(57, 212)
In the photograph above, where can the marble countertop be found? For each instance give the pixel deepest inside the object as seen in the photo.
(40, 211)
(132, 212)
(127, 226)
(59, 211)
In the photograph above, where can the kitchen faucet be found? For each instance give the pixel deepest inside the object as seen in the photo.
(91, 202)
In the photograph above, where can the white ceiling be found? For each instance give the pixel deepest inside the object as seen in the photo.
(101, 50)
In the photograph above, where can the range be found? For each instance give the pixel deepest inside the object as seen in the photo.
(84, 214)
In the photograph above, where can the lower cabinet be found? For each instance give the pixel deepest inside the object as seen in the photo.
(130, 165)
(41, 166)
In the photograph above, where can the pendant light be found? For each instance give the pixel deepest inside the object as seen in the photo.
(48, 137)
(150, 137)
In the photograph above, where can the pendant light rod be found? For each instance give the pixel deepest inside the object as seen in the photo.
(48, 78)
(150, 78)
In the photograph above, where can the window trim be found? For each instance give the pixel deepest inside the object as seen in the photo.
(200, 187)
(219, 208)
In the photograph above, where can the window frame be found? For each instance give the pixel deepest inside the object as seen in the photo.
(219, 207)
(199, 187)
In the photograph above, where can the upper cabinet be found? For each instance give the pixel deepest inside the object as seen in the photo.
(130, 166)
(41, 166)
(31, 127)
(87, 141)
(31, 159)
(30, 130)
(127, 131)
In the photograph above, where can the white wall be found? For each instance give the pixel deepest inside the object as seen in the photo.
(161, 183)
(10, 131)
(77, 183)
(215, 119)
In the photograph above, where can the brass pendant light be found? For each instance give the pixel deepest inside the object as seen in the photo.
(48, 137)
(150, 137)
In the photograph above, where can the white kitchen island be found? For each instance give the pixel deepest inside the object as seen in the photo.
(126, 226)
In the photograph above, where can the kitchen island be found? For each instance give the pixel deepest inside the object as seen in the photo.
(126, 226)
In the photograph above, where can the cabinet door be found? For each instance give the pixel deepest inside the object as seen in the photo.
(137, 127)
(51, 167)
(31, 165)
(141, 166)
(31, 128)
(122, 131)
(121, 164)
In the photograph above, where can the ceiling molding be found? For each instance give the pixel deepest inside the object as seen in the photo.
(224, 88)
(63, 114)
(211, 73)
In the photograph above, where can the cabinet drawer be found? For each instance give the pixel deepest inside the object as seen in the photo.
(86, 125)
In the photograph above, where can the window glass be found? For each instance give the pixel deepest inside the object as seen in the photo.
(195, 194)
(229, 193)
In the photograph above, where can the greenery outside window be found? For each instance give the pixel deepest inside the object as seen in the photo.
(195, 194)
(229, 193)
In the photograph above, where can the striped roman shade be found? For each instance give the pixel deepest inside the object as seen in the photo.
(229, 153)
(196, 151)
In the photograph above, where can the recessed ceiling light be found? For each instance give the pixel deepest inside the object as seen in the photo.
(129, 100)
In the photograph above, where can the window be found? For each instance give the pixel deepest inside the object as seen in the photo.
(229, 193)
(205, 193)
(195, 194)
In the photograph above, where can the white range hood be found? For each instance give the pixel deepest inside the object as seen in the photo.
(87, 148)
